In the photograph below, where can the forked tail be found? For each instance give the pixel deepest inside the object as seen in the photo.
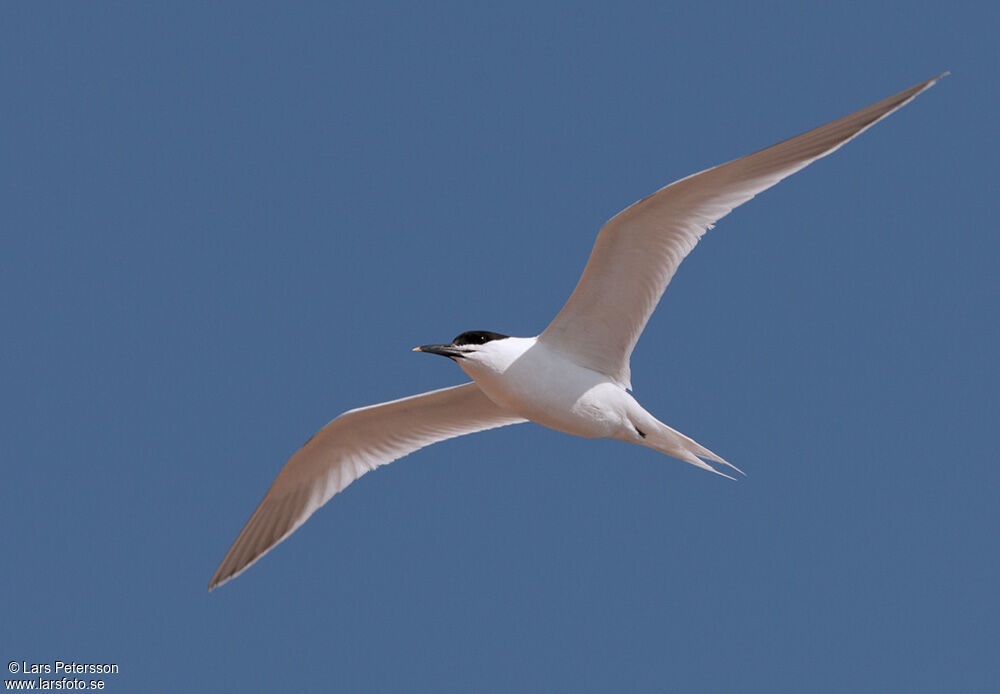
(672, 442)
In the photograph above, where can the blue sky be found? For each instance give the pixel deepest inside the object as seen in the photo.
(223, 226)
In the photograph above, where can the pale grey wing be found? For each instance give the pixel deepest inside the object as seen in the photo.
(352, 444)
(639, 249)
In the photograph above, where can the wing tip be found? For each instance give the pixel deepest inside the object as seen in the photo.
(220, 577)
(230, 569)
(232, 565)
(274, 519)
(223, 574)
(927, 84)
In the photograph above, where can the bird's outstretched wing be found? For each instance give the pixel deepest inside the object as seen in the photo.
(352, 444)
(638, 250)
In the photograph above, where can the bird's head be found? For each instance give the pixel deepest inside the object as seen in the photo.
(468, 345)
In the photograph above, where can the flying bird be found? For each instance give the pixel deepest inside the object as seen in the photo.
(573, 377)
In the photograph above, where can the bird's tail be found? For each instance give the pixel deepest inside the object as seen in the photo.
(672, 442)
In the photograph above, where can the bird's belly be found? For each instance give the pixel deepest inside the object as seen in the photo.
(572, 400)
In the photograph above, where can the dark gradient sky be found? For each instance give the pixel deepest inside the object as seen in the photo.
(222, 227)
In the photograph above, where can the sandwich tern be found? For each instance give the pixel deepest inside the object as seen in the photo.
(573, 377)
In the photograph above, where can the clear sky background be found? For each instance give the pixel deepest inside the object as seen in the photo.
(223, 226)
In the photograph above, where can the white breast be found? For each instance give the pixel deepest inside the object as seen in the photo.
(538, 383)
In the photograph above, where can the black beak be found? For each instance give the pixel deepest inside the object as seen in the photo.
(443, 350)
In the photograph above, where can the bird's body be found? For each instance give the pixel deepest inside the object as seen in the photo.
(574, 376)
(538, 383)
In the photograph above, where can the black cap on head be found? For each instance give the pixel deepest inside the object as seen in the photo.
(477, 337)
